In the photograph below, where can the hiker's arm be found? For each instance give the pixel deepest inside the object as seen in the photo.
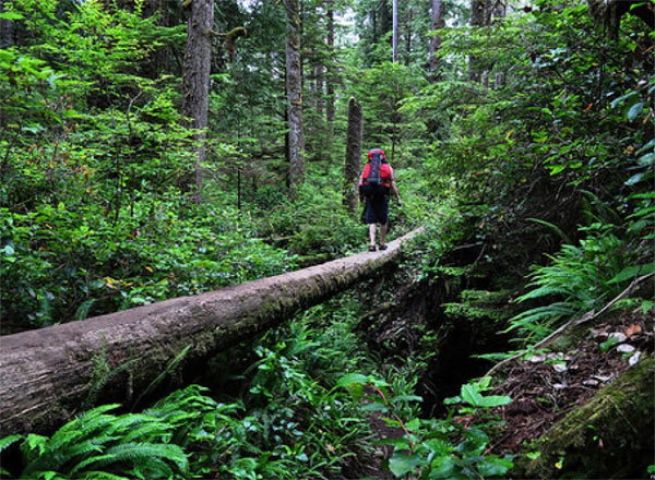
(394, 189)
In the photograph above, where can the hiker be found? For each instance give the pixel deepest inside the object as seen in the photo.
(375, 185)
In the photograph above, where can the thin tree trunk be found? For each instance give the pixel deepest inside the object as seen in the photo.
(319, 78)
(436, 23)
(331, 78)
(394, 38)
(46, 374)
(480, 17)
(499, 11)
(408, 36)
(6, 30)
(353, 153)
(195, 82)
(294, 96)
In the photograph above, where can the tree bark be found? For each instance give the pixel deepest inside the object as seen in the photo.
(609, 13)
(294, 96)
(195, 80)
(353, 153)
(436, 23)
(46, 374)
(478, 19)
(6, 30)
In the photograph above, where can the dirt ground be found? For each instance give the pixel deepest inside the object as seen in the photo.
(545, 386)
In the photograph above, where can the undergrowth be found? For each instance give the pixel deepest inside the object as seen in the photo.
(306, 413)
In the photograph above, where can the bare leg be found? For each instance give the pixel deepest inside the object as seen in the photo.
(383, 234)
(371, 234)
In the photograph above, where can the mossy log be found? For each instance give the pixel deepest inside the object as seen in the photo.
(611, 436)
(47, 374)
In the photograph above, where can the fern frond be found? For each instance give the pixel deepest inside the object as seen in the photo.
(551, 226)
(148, 432)
(170, 367)
(5, 442)
(100, 475)
(540, 292)
(134, 452)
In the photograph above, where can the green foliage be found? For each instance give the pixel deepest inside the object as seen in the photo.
(98, 443)
(470, 394)
(295, 421)
(433, 448)
(583, 277)
(441, 449)
(48, 254)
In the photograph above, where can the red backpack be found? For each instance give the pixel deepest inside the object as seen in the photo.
(374, 181)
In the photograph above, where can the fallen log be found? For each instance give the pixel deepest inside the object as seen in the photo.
(46, 374)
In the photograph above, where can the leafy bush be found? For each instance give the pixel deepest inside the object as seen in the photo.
(431, 448)
(62, 263)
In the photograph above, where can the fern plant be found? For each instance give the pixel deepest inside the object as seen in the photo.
(98, 444)
(580, 279)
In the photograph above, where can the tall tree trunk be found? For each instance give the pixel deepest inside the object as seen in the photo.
(46, 374)
(319, 79)
(478, 15)
(331, 77)
(499, 11)
(408, 36)
(394, 38)
(436, 23)
(195, 82)
(353, 153)
(294, 96)
(6, 30)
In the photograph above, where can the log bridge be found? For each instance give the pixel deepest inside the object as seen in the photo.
(46, 375)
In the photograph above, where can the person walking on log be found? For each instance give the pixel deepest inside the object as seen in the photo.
(376, 183)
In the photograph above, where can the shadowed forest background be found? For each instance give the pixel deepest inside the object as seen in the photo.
(153, 149)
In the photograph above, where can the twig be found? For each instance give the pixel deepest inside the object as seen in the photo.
(587, 317)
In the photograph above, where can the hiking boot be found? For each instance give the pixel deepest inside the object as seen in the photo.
(371, 248)
(383, 247)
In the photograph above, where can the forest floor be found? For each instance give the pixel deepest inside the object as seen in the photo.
(547, 385)
(375, 465)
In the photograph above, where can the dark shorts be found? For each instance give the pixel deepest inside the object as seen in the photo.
(377, 209)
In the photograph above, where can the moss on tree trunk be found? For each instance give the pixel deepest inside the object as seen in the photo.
(611, 436)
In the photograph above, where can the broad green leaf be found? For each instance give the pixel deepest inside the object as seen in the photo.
(635, 110)
(493, 466)
(10, 16)
(470, 395)
(401, 464)
(647, 160)
(352, 379)
(494, 401)
(628, 273)
(414, 424)
(443, 467)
